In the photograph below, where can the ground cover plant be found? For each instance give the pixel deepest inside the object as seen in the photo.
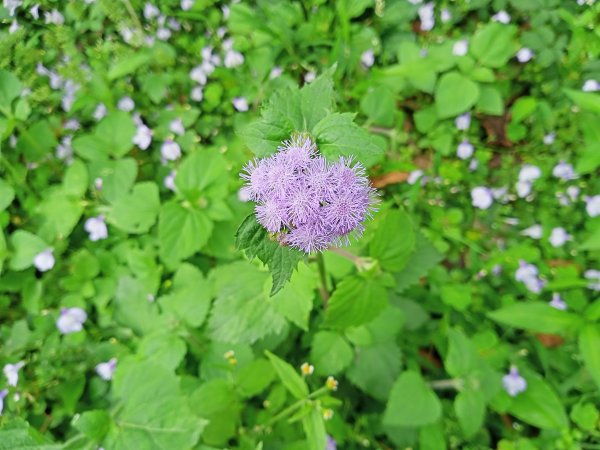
(290, 225)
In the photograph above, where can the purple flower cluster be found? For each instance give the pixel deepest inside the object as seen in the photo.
(309, 202)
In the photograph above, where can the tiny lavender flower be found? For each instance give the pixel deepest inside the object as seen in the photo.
(463, 122)
(96, 228)
(524, 55)
(593, 276)
(591, 86)
(464, 149)
(482, 197)
(3, 394)
(126, 104)
(549, 138)
(513, 382)
(534, 231)
(44, 261)
(564, 171)
(557, 302)
(240, 104)
(11, 371)
(170, 150)
(310, 202)
(331, 444)
(71, 320)
(460, 48)
(502, 17)
(592, 205)
(106, 370)
(559, 236)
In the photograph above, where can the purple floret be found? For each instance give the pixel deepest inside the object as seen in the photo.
(310, 203)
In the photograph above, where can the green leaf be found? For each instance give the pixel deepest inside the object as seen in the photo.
(394, 241)
(255, 377)
(75, 181)
(585, 415)
(7, 194)
(314, 428)
(316, 100)
(25, 246)
(539, 405)
(295, 300)
(182, 231)
(153, 414)
(37, 141)
(163, 349)
(355, 301)
(536, 316)
(454, 95)
(469, 406)
(256, 242)
(461, 357)
(458, 296)
(115, 133)
(136, 212)
(585, 100)
(94, 424)
(202, 174)
(423, 259)
(10, 88)
(490, 101)
(337, 135)
(375, 369)
(412, 402)
(289, 376)
(592, 243)
(18, 435)
(128, 64)
(330, 353)
(190, 299)
(494, 44)
(379, 106)
(242, 311)
(589, 345)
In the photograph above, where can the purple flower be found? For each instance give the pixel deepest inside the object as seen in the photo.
(3, 394)
(534, 231)
(524, 55)
(71, 320)
(170, 150)
(240, 104)
(312, 203)
(126, 104)
(106, 370)
(460, 48)
(331, 444)
(96, 227)
(559, 236)
(513, 382)
(592, 205)
(464, 149)
(557, 302)
(44, 261)
(463, 122)
(482, 197)
(502, 17)
(367, 59)
(564, 171)
(11, 372)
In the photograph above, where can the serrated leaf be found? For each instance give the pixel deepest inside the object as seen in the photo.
(256, 242)
(423, 259)
(354, 302)
(375, 369)
(316, 100)
(412, 402)
(18, 435)
(337, 135)
(394, 241)
(289, 376)
(295, 299)
(330, 353)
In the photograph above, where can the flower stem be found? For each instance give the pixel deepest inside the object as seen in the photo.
(323, 276)
(440, 385)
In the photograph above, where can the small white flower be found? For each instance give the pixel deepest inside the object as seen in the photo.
(163, 34)
(64, 151)
(481, 197)
(529, 173)
(445, 15)
(150, 11)
(524, 55)
(169, 181)
(591, 86)
(170, 150)
(14, 26)
(126, 104)
(549, 138)
(11, 372)
(514, 383)
(573, 193)
(473, 165)
(176, 126)
(71, 320)
(233, 59)
(559, 236)
(98, 182)
(557, 302)
(525, 271)
(534, 231)
(414, 176)
(106, 370)
(11, 6)
(72, 124)
(96, 227)
(464, 149)
(198, 75)
(54, 17)
(592, 205)
(240, 104)
(186, 5)
(44, 261)
(174, 24)
(143, 136)
(3, 394)
(564, 171)
(426, 16)
(310, 76)
(197, 94)
(502, 17)
(100, 112)
(523, 188)
(594, 277)
(463, 122)
(275, 72)
(367, 59)
(460, 48)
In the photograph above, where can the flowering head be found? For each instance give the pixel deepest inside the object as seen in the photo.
(513, 382)
(307, 201)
